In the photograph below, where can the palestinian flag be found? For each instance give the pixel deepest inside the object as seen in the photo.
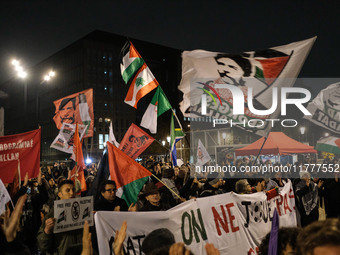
(127, 173)
(159, 104)
(61, 217)
(131, 61)
(142, 84)
(329, 144)
(86, 213)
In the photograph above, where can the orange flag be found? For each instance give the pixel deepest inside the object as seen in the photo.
(16, 182)
(77, 156)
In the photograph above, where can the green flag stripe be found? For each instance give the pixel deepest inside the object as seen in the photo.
(163, 103)
(131, 69)
(131, 190)
(327, 148)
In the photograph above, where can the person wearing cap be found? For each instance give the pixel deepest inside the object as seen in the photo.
(59, 243)
(212, 187)
(153, 199)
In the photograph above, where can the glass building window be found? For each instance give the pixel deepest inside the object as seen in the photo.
(101, 141)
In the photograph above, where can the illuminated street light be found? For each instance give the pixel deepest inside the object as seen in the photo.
(15, 62)
(168, 139)
(224, 136)
(88, 161)
(48, 76)
(302, 130)
(163, 142)
(21, 74)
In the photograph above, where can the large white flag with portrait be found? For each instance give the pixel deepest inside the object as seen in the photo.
(260, 70)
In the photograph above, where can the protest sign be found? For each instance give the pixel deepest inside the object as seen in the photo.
(234, 223)
(64, 140)
(71, 214)
(24, 147)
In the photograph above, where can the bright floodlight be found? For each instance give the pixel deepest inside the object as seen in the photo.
(88, 161)
(19, 68)
(15, 62)
(163, 142)
(168, 139)
(47, 78)
(22, 74)
(51, 73)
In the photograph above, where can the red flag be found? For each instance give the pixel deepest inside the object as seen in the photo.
(123, 169)
(77, 156)
(16, 182)
(24, 147)
(75, 108)
(135, 141)
(127, 173)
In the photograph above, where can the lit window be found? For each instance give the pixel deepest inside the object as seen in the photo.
(101, 142)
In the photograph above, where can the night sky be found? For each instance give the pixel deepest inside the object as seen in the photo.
(33, 30)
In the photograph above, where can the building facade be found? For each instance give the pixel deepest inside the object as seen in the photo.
(91, 62)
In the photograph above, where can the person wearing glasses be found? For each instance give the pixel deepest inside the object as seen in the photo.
(108, 200)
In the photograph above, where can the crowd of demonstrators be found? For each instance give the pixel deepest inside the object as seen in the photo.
(166, 188)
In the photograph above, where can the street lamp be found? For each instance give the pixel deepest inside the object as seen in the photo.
(21, 74)
(302, 131)
(168, 139)
(224, 136)
(48, 76)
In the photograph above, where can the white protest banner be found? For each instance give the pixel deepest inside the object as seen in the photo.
(235, 224)
(4, 197)
(64, 140)
(71, 214)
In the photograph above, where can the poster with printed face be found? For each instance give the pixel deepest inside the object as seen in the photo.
(76, 108)
(64, 140)
(325, 108)
(71, 214)
(253, 75)
(23, 149)
(135, 141)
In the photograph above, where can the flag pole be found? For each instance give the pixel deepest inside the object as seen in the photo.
(166, 186)
(162, 145)
(265, 139)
